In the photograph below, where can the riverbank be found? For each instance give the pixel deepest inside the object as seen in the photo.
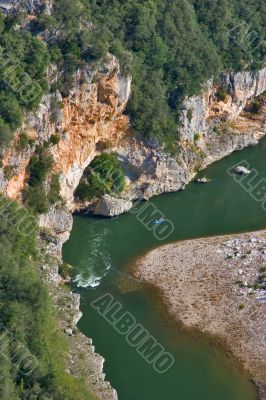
(215, 286)
(82, 360)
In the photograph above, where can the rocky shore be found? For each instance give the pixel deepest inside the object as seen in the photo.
(83, 362)
(216, 286)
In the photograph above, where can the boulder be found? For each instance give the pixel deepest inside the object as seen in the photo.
(203, 180)
(110, 206)
(58, 222)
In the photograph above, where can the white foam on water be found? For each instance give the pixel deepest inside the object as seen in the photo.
(97, 262)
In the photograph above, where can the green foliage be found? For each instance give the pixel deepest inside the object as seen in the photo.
(196, 137)
(170, 47)
(64, 270)
(221, 94)
(23, 62)
(8, 171)
(54, 139)
(34, 195)
(39, 166)
(5, 133)
(54, 196)
(23, 141)
(27, 320)
(104, 175)
(190, 115)
(83, 191)
(36, 198)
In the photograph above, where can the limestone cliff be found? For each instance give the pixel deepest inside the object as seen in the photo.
(209, 130)
(201, 113)
(89, 119)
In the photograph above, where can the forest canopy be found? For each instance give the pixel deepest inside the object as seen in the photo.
(171, 47)
(28, 330)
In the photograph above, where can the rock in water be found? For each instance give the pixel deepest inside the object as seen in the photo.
(109, 206)
(242, 170)
(203, 180)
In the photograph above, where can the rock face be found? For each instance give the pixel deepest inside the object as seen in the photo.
(151, 171)
(88, 119)
(29, 6)
(109, 206)
(92, 119)
(201, 113)
(58, 222)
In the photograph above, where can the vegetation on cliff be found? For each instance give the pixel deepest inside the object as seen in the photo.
(103, 176)
(41, 191)
(171, 47)
(32, 350)
(23, 64)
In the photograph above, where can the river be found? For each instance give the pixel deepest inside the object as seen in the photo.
(99, 249)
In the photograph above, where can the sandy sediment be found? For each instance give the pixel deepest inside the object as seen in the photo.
(216, 286)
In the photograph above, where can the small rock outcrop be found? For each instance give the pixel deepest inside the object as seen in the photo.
(109, 206)
(58, 222)
(28, 6)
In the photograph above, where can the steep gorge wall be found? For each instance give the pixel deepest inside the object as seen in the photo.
(91, 119)
(85, 122)
(201, 113)
(221, 128)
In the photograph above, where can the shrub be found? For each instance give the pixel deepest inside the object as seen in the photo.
(23, 141)
(34, 194)
(196, 137)
(65, 270)
(10, 110)
(5, 133)
(54, 196)
(104, 175)
(35, 198)
(24, 59)
(54, 139)
(83, 191)
(221, 94)
(8, 171)
(39, 166)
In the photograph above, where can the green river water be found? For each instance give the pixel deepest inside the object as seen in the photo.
(103, 247)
